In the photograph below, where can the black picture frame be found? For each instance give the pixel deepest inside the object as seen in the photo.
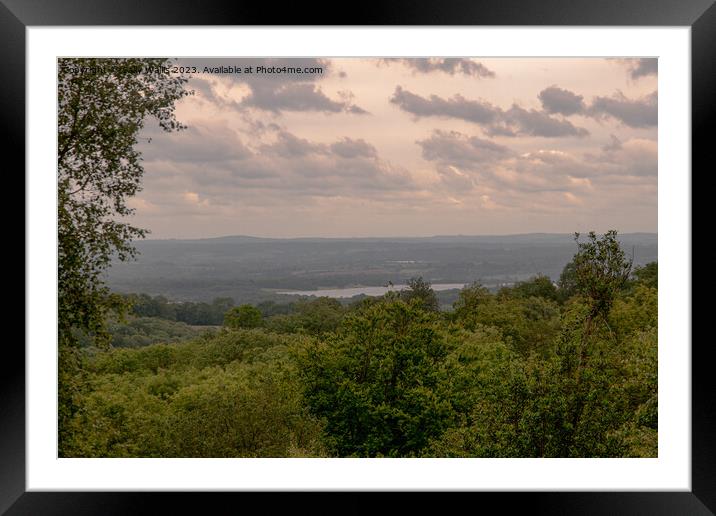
(700, 15)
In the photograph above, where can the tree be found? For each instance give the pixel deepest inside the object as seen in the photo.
(588, 360)
(374, 383)
(102, 106)
(243, 316)
(538, 286)
(469, 299)
(601, 270)
(647, 275)
(567, 283)
(421, 290)
(309, 316)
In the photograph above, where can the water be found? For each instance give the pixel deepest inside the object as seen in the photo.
(368, 291)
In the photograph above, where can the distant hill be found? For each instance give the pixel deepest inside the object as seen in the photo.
(556, 238)
(254, 269)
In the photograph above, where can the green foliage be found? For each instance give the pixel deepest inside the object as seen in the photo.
(528, 324)
(242, 411)
(485, 387)
(270, 308)
(539, 286)
(314, 317)
(601, 270)
(102, 106)
(591, 396)
(244, 316)
(198, 314)
(648, 275)
(234, 394)
(567, 283)
(469, 299)
(375, 383)
(142, 331)
(420, 290)
(635, 311)
(512, 374)
(144, 305)
(208, 350)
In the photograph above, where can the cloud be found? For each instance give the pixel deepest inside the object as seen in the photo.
(496, 122)
(288, 145)
(641, 112)
(464, 163)
(637, 113)
(558, 100)
(204, 141)
(634, 160)
(641, 67)
(293, 97)
(283, 89)
(536, 123)
(461, 150)
(283, 169)
(563, 167)
(348, 148)
(262, 155)
(195, 199)
(477, 111)
(449, 65)
(355, 110)
(634, 157)
(614, 145)
(455, 179)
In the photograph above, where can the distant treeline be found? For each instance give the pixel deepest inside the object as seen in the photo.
(136, 332)
(212, 314)
(196, 313)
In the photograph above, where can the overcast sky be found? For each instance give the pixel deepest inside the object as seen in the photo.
(407, 147)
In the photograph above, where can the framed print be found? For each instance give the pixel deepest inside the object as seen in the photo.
(415, 252)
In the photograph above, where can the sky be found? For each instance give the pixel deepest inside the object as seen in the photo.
(368, 147)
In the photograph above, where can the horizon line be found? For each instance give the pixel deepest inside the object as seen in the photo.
(456, 235)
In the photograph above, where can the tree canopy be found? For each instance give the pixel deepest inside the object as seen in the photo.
(243, 316)
(102, 106)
